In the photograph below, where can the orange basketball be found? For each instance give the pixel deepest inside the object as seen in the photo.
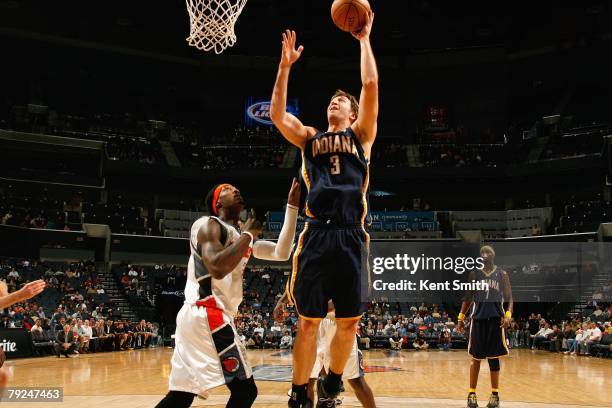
(350, 15)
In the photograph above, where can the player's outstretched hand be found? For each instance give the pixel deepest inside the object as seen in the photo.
(277, 314)
(366, 29)
(31, 289)
(252, 225)
(290, 54)
(294, 193)
(460, 327)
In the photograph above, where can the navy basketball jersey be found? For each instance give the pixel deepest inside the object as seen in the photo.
(336, 173)
(489, 303)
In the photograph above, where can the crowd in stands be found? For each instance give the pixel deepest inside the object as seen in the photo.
(31, 211)
(73, 315)
(138, 283)
(122, 215)
(586, 334)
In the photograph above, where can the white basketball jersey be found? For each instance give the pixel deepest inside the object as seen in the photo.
(227, 292)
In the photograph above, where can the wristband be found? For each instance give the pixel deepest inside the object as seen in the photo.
(508, 314)
(250, 235)
(461, 317)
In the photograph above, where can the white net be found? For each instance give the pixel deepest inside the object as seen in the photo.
(212, 23)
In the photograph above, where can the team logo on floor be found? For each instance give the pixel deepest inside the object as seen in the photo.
(274, 372)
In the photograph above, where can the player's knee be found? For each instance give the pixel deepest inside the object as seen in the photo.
(347, 326)
(494, 364)
(475, 362)
(309, 328)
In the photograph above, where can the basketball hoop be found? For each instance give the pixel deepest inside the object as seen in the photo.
(212, 23)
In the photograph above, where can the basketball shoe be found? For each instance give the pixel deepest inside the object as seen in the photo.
(493, 401)
(472, 402)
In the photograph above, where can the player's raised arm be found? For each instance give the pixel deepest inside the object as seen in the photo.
(290, 127)
(281, 250)
(366, 124)
(220, 261)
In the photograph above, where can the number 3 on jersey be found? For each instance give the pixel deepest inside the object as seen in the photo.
(335, 163)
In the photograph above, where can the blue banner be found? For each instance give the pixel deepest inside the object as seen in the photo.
(389, 221)
(257, 111)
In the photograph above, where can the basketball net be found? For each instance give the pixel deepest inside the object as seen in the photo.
(212, 23)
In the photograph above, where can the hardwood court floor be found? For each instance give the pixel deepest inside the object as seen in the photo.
(530, 379)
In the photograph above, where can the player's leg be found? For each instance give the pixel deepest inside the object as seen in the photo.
(242, 393)
(311, 386)
(498, 348)
(307, 293)
(341, 347)
(477, 349)
(304, 355)
(176, 399)
(474, 371)
(363, 392)
(495, 368)
(346, 294)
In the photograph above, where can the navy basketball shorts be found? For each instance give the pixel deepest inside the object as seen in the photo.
(327, 265)
(487, 339)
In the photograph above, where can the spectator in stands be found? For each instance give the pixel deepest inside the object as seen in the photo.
(533, 325)
(65, 342)
(60, 325)
(5, 322)
(569, 338)
(395, 341)
(109, 335)
(389, 328)
(594, 335)
(541, 336)
(420, 344)
(444, 341)
(13, 275)
(259, 330)
(286, 341)
(36, 329)
(270, 341)
(143, 336)
(581, 334)
(85, 334)
(556, 339)
(255, 341)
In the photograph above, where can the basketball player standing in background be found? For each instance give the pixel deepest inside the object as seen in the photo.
(489, 322)
(328, 261)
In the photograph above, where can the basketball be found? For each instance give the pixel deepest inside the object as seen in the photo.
(350, 15)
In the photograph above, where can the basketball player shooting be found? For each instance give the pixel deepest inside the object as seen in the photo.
(489, 322)
(208, 351)
(327, 262)
(28, 291)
